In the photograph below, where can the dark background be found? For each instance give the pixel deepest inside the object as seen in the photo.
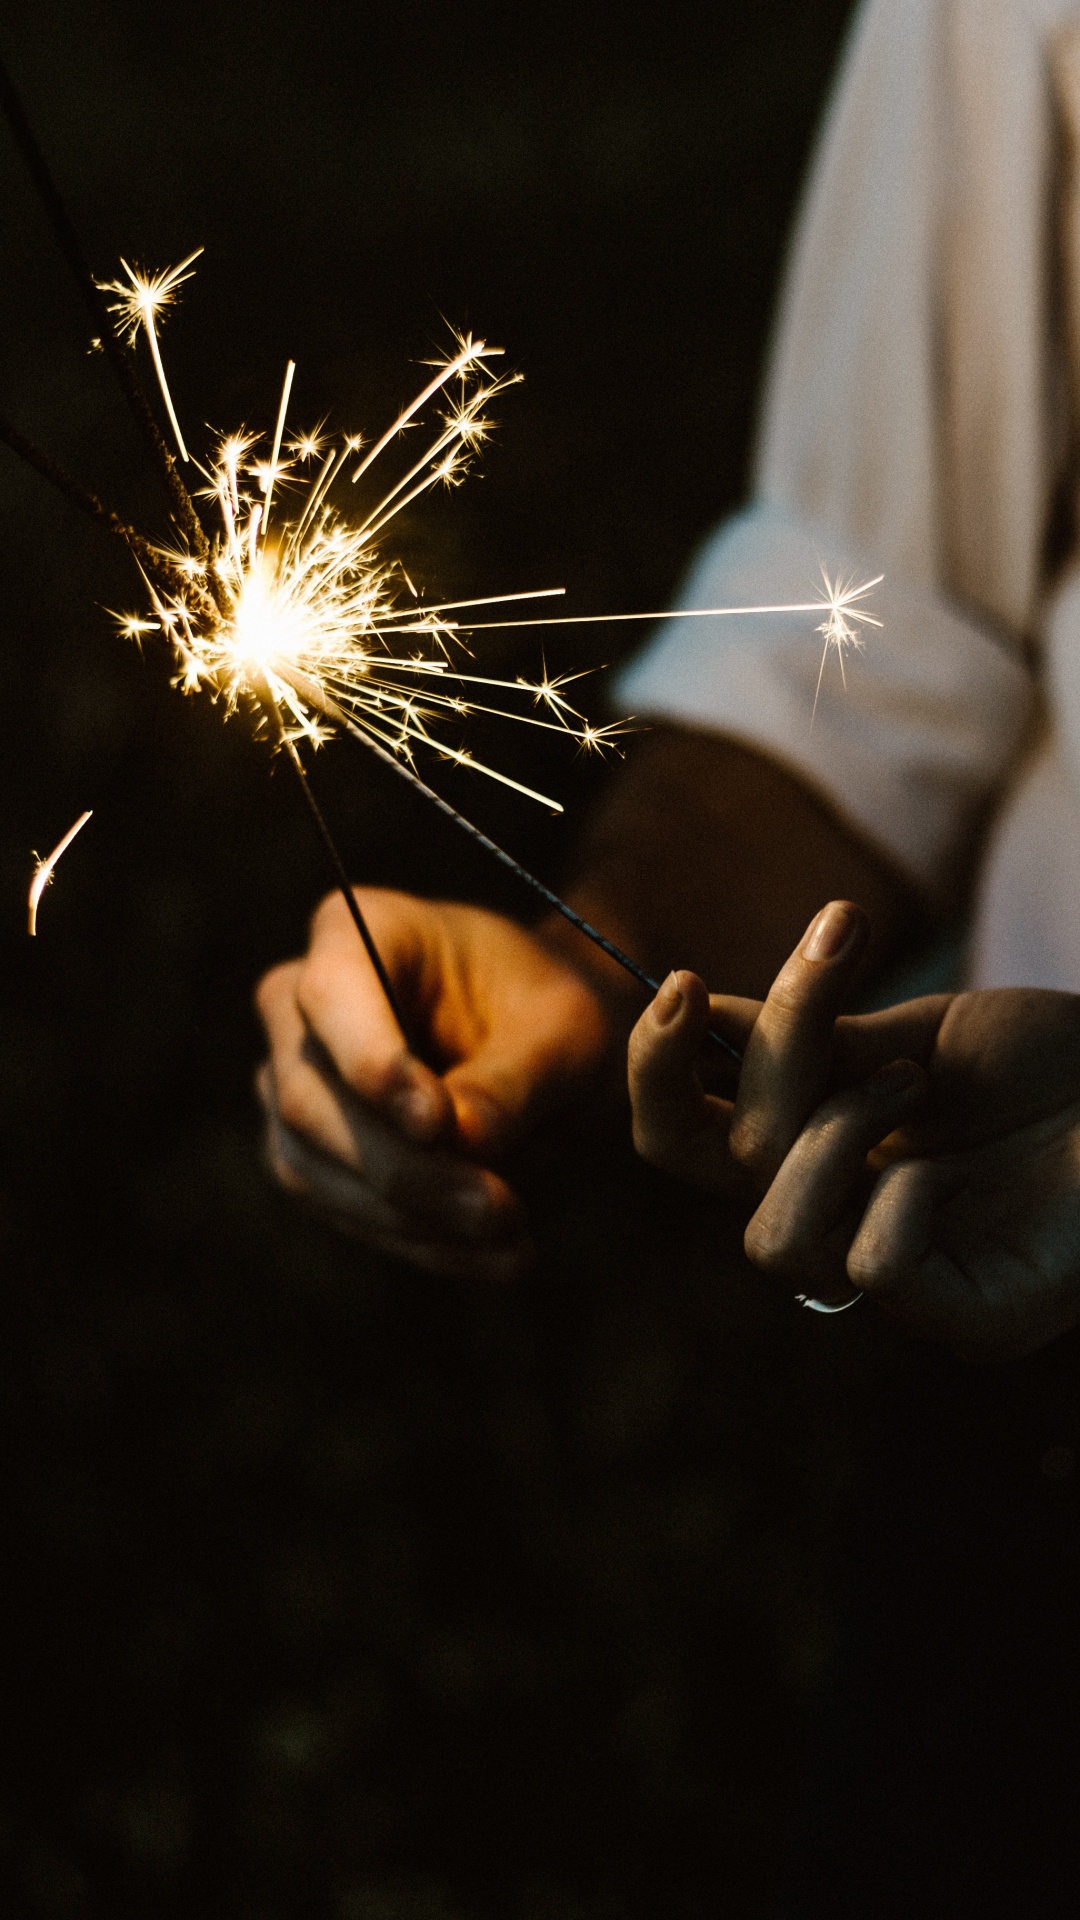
(332, 1590)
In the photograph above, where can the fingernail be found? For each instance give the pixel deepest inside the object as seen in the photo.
(414, 1109)
(668, 1001)
(833, 932)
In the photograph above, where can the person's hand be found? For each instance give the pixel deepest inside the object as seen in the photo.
(929, 1154)
(787, 1046)
(400, 1151)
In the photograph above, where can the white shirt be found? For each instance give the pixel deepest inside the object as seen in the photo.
(916, 423)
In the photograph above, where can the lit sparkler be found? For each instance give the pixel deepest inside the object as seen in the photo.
(304, 605)
(309, 608)
(44, 870)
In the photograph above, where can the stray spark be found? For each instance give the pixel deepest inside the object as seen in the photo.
(843, 604)
(141, 303)
(44, 870)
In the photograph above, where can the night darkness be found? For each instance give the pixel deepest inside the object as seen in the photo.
(333, 1590)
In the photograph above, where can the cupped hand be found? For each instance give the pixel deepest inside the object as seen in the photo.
(400, 1150)
(928, 1154)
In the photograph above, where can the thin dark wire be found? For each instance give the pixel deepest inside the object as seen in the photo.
(150, 558)
(341, 873)
(71, 248)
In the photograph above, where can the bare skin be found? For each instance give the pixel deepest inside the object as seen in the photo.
(392, 1150)
(928, 1155)
(410, 1156)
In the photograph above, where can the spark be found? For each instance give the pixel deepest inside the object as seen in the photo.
(308, 446)
(844, 606)
(836, 602)
(43, 872)
(142, 303)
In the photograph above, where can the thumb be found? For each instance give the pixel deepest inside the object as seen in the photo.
(677, 1126)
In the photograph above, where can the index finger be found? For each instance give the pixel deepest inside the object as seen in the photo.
(789, 1054)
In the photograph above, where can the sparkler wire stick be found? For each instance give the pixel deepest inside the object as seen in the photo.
(70, 246)
(345, 886)
(150, 558)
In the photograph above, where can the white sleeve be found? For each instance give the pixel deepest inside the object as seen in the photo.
(908, 429)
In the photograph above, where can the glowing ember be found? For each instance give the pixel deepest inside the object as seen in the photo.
(44, 870)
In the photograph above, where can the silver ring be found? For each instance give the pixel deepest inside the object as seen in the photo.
(820, 1306)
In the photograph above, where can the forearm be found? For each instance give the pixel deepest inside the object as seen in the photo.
(705, 854)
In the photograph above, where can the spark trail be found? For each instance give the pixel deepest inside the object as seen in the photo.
(45, 869)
